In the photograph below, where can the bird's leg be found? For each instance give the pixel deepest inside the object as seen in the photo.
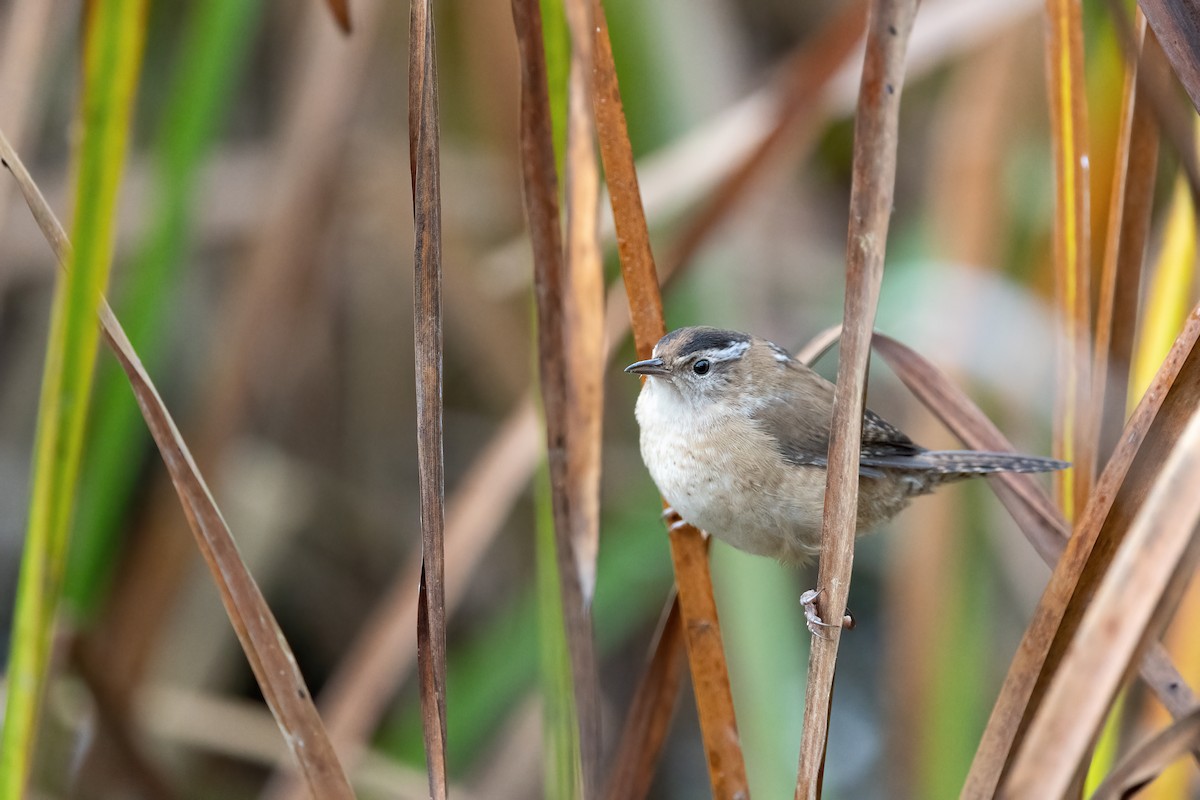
(813, 618)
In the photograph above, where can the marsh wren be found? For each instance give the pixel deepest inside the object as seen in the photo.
(735, 433)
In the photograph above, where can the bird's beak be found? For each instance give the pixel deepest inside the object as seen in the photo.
(651, 366)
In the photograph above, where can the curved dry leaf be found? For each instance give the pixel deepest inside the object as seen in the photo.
(1021, 494)
(1144, 763)
(821, 344)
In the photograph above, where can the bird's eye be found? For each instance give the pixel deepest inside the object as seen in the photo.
(701, 367)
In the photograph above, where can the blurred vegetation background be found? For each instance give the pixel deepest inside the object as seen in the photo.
(262, 270)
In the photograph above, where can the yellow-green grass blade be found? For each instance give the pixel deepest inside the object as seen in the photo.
(113, 40)
(215, 42)
(1068, 116)
(557, 46)
(1167, 297)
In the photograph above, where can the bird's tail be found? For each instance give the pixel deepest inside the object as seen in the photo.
(964, 463)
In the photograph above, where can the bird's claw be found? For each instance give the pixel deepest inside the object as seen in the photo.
(675, 522)
(812, 617)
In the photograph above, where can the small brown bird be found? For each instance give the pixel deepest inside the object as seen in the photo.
(735, 433)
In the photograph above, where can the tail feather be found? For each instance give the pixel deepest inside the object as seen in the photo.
(973, 462)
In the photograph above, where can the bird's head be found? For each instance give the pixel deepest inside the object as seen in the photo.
(704, 365)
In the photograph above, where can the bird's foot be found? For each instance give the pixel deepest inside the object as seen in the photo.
(812, 617)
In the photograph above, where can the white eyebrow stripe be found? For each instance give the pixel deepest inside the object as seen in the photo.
(781, 355)
(735, 350)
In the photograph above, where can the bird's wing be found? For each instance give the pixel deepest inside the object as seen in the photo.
(799, 423)
(885, 445)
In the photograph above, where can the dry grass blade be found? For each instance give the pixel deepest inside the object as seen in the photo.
(341, 13)
(1068, 117)
(1147, 435)
(689, 551)
(649, 717)
(427, 319)
(1128, 225)
(620, 176)
(1176, 23)
(263, 642)
(1144, 763)
(550, 287)
(706, 659)
(582, 343)
(584, 313)
(873, 184)
(1132, 602)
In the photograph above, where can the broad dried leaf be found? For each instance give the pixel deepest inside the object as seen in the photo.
(1021, 494)
(1147, 573)
(1123, 482)
(262, 640)
(873, 184)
